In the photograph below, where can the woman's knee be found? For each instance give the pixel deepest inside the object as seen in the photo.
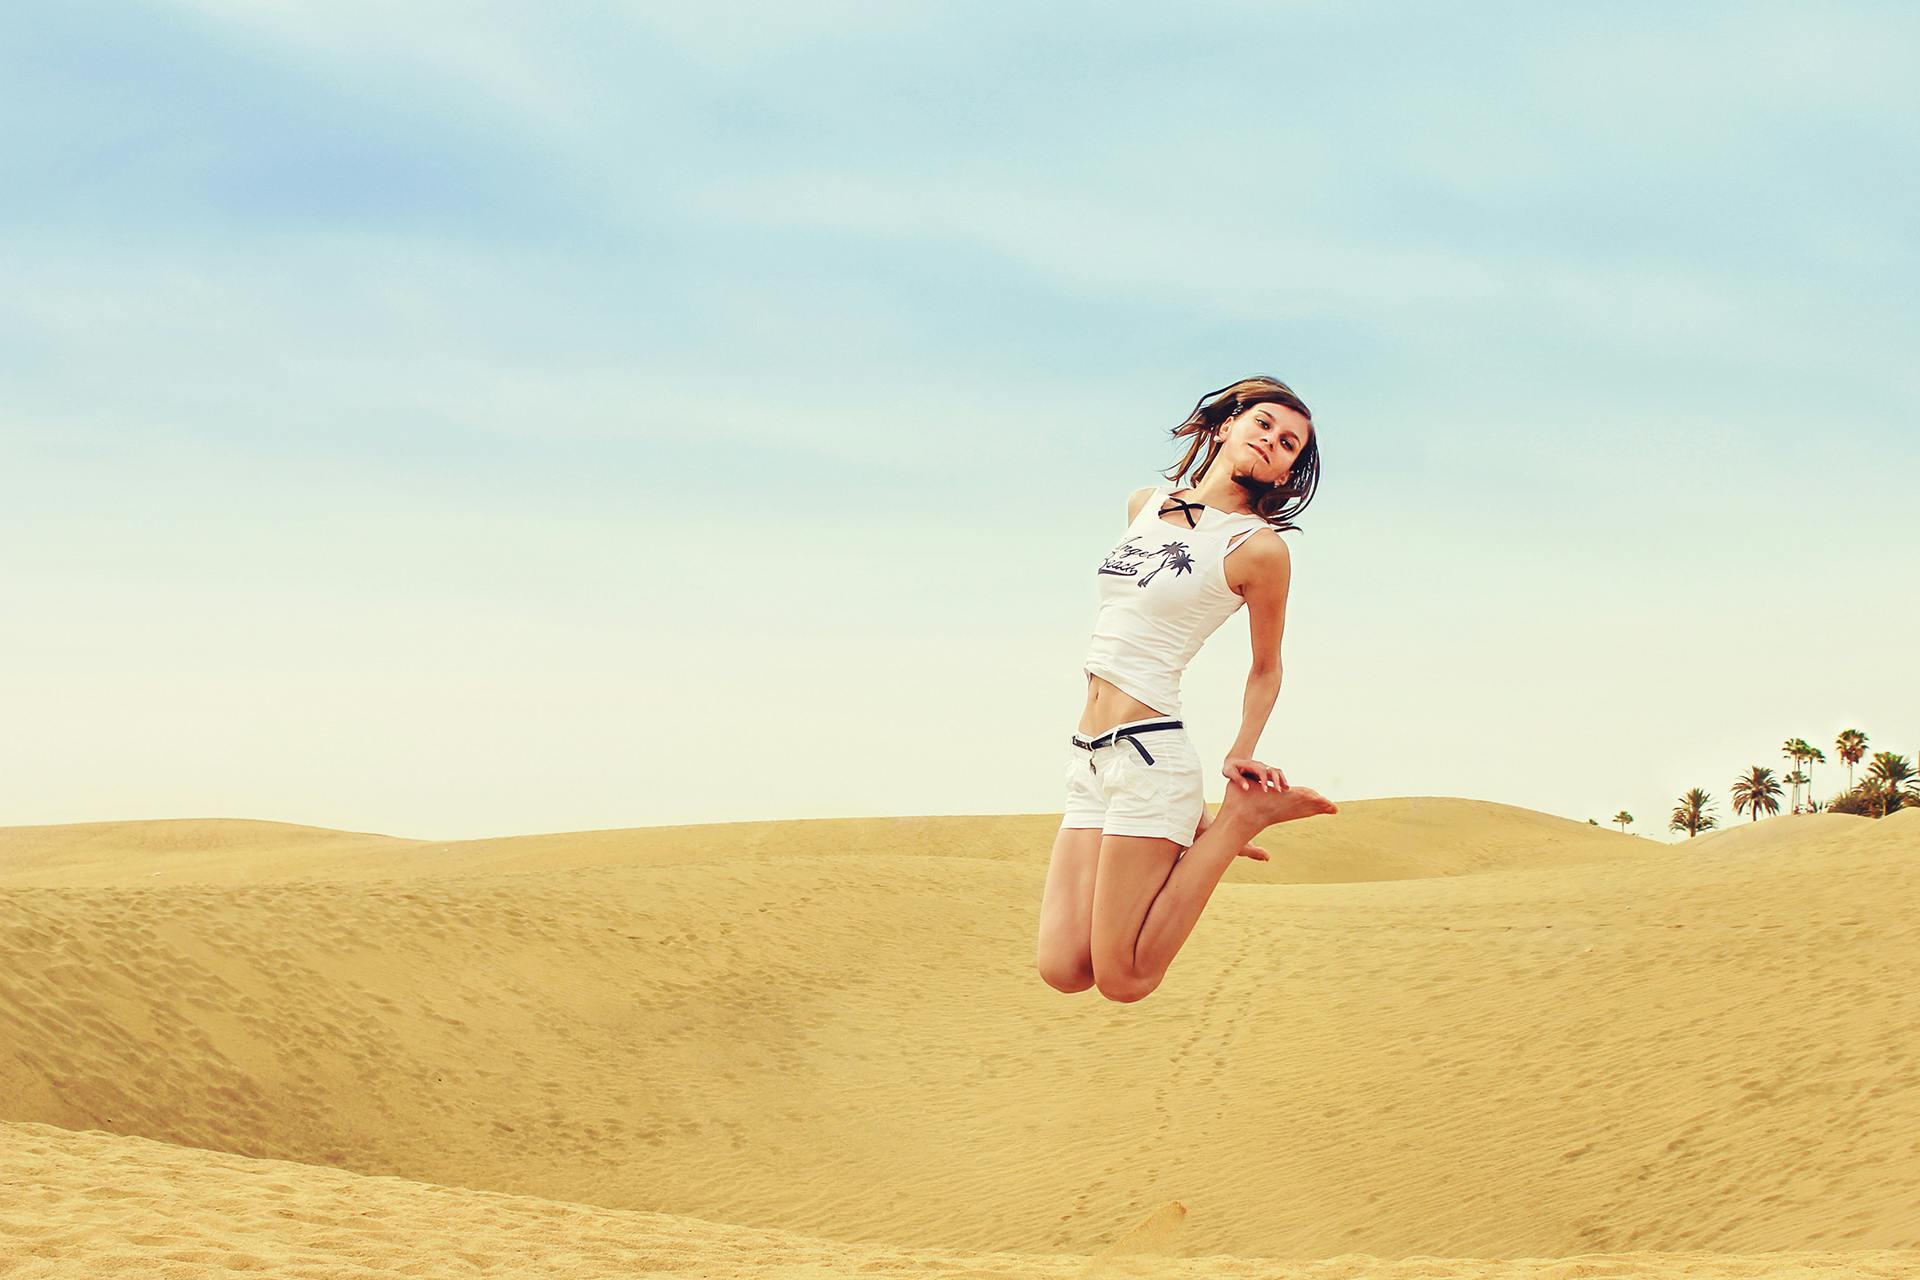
(1125, 988)
(1065, 972)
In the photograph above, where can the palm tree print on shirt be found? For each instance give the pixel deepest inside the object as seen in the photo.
(1126, 560)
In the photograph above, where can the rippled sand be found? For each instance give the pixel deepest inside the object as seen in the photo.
(1434, 1037)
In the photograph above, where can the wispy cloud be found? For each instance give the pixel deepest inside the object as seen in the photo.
(705, 362)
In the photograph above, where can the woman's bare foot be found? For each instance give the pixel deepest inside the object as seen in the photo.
(1266, 806)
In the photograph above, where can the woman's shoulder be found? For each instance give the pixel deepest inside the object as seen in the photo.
(1260, 566)
(1138, 498)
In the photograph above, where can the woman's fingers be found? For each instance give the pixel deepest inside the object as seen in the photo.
(1251, 773)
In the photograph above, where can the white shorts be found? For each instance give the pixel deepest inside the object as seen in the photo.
(1144, 783)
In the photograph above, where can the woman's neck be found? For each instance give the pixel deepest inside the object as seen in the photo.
(1219, 491)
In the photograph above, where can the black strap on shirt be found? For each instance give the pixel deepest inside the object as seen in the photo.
(1182, 507)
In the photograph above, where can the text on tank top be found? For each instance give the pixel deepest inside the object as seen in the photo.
(1163, 591)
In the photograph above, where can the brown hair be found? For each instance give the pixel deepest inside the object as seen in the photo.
(1277, 504)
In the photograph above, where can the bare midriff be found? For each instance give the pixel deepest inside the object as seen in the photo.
(1107, 707)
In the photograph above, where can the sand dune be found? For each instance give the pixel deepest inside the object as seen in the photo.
(1787, 830)
(214, 851)
(1430, 1029)
(100, 1203)
(1375, 840)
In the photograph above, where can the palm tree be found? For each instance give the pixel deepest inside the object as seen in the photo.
(1813, 756)
(1623, 818)
(1174, 554)
(1755, 792)
(1851, 744)
(1798, 779)
(1791, 750)
(1691, 815)
(1892, 779)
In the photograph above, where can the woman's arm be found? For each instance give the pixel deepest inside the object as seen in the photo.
(1264, 566)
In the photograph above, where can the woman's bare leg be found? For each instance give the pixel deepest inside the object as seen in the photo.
(1065, 953)
(1148, 897)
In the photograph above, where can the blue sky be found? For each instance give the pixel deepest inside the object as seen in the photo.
(464, 419)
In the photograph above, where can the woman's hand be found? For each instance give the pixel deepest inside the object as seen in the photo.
(1250, 773)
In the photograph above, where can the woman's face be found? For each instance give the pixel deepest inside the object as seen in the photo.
(1264, 440)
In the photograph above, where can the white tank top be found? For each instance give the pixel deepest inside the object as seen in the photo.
(1163, 591)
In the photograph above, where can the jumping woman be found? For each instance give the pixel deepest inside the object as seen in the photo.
(1137, 856)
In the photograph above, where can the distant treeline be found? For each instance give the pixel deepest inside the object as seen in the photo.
(1888, 785)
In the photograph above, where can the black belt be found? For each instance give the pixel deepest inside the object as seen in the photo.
(1127, 731)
